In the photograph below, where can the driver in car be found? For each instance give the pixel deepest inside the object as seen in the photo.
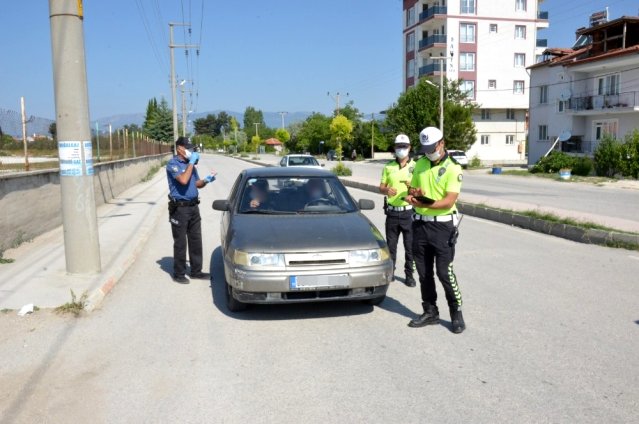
(314, 189)
(259, 195)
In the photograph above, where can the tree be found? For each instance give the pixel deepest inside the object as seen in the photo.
(252, 116)
(341, 131)
(282, 135)
(206, 125)
(316, 128)
(158, 122)
(418, 107)
(53, 130)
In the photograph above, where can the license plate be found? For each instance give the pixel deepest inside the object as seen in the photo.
(302, 282)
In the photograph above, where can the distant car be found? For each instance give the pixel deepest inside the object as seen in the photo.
(460, 157)
(300, 160)
(295, 234)
(331, 155)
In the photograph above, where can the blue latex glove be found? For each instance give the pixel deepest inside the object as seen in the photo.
(195, 156)
(209, 178)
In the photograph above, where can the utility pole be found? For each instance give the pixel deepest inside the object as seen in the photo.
(184, 120)
(173, 85)
(282, 116)
(442, 64)
(126, 142)
(134, 137)
(24, 134)
(97, 138)
(79, 220)
(256, 125)
(110, 143)
(372, 135)
(336, 98)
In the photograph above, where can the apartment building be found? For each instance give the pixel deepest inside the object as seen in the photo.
(579, 94)
(487, 44)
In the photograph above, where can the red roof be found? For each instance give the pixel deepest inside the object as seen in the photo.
(273, 142)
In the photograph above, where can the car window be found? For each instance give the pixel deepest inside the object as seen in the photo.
(294, 195)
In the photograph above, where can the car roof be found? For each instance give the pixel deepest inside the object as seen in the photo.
(457, 151)
(300, 155)
(294, 171)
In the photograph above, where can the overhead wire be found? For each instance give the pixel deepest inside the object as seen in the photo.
(142, 12)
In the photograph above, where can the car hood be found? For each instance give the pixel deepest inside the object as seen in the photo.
(300, 233)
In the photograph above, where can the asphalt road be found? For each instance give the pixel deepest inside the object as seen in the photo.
(552, 336)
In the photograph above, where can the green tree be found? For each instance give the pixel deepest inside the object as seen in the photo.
(53, 130)
(158, 122)
(282, 135)
(418, 107)
(206, 125)
(341, 131)
(252, 116)
(255, 143)
(316, 128)
(629, 163)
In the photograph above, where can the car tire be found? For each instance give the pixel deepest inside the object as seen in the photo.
(375, 301)
(232, 303)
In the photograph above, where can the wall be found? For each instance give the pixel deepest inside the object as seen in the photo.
(30, 201)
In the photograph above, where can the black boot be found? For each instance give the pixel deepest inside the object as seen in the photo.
(410, 281)
(429, 317)
(457, 319)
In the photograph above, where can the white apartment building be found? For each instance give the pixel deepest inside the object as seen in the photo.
(585, 92)
(488, 44)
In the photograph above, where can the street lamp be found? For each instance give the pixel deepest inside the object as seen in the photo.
(442, 63)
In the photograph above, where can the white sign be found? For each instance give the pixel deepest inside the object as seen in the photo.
(70, 155)
(88, 157)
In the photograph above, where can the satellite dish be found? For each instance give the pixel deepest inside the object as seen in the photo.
(565, 135)
(565, 95)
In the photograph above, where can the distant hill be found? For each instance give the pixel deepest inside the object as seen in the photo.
(11, 124)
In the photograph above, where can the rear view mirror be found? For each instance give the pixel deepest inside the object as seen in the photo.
(221, 205)
(366, 204)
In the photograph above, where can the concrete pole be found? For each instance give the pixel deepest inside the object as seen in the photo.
(372, 135)
(183, 111)
(24, 134)
(110, 143)
(442, 61)
(79, 220)
(173, 87)
(134, 137)
(97, 138)
(282, 114)
(126, 142)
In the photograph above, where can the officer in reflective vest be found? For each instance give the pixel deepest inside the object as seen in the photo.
(435, 186)
(184, 213)
(396, 177)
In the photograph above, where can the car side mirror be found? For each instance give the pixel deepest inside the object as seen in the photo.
(322, 164)
(221, 205)
(366, 204)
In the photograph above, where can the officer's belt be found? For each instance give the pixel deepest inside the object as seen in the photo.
(193, 202)
(399, 208)
(438, 218)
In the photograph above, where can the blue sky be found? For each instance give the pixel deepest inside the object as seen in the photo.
(275, 55)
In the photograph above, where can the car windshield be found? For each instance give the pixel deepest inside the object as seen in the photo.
(302, 160)
(295, 195)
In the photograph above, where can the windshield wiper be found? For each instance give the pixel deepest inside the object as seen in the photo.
(267, 212)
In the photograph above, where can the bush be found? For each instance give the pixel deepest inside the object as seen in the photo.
(629, 163)
(582, 166)
(342, 170)
(475, 162)
(553, 163)
(608, 157)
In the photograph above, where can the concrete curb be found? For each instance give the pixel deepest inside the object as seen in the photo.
(121, 264)
(569, 232)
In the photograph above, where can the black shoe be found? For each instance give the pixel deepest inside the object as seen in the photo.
(410, 281)
(181, 279)
(429, 317)
(457, 320)
(201, 275)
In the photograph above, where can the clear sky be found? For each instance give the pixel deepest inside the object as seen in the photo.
(275, 55)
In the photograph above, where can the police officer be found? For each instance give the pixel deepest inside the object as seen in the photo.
(396, 176)
(184, 213)
(435, 186)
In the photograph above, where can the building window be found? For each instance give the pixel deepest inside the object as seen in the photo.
(485, 140)
(543, 133)
(606, 127)
(493, 28)
(468, 7)
(410, 16)
(510, 114)
(467, 61)
(608, 85)
(410, 68)
(467, 33)
(510, 139)
(520, 32)
(410, 42)
(492, 84)
(468, 88)
(520, 5)
(543, 94)
(562, 105)
(520, 60)
(540, 58)
(485, 114)
(518, 87)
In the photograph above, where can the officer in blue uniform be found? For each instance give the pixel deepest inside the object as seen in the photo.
(184, 212)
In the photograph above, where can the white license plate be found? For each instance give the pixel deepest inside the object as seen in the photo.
(318, 281)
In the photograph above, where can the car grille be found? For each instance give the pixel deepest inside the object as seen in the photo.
(317, 258)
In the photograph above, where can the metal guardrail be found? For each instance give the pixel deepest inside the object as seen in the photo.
(542, 42)
(430, 40)
(430, 69)
(542, 15)
(604, 101)
(432, 11)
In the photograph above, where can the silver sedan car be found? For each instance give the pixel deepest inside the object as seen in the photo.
(296, 235)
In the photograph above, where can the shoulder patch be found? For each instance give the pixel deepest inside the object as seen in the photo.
(460, 177)
(174, 168)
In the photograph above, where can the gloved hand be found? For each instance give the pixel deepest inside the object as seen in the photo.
(195, 156)
(210, 178)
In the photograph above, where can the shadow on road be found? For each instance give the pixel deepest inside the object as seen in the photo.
(277, 312)
(166, 264)
(395, 306)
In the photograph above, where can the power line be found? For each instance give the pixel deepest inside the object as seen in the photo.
(154, 47)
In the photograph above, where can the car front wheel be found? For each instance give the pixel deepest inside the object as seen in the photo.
(232, 303)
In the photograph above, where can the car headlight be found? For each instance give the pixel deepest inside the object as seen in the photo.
(258, 259)
(366, 256)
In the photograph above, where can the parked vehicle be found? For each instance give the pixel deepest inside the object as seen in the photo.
(295, 234)
(460, 157)
(299, 160)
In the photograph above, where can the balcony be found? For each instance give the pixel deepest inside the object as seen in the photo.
(542, 15)
(432, 11)
(431, 40)
(579, 147)
(542, 42)
(608, 103)
(430, 69)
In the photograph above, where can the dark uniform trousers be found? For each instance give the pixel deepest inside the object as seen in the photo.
(186, 225)
(400, 222)
(432, 246)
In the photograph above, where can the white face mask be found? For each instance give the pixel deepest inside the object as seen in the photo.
(434, 157)
(187, 153)
(401, 153)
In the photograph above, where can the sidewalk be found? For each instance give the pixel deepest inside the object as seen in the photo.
(39, 275)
